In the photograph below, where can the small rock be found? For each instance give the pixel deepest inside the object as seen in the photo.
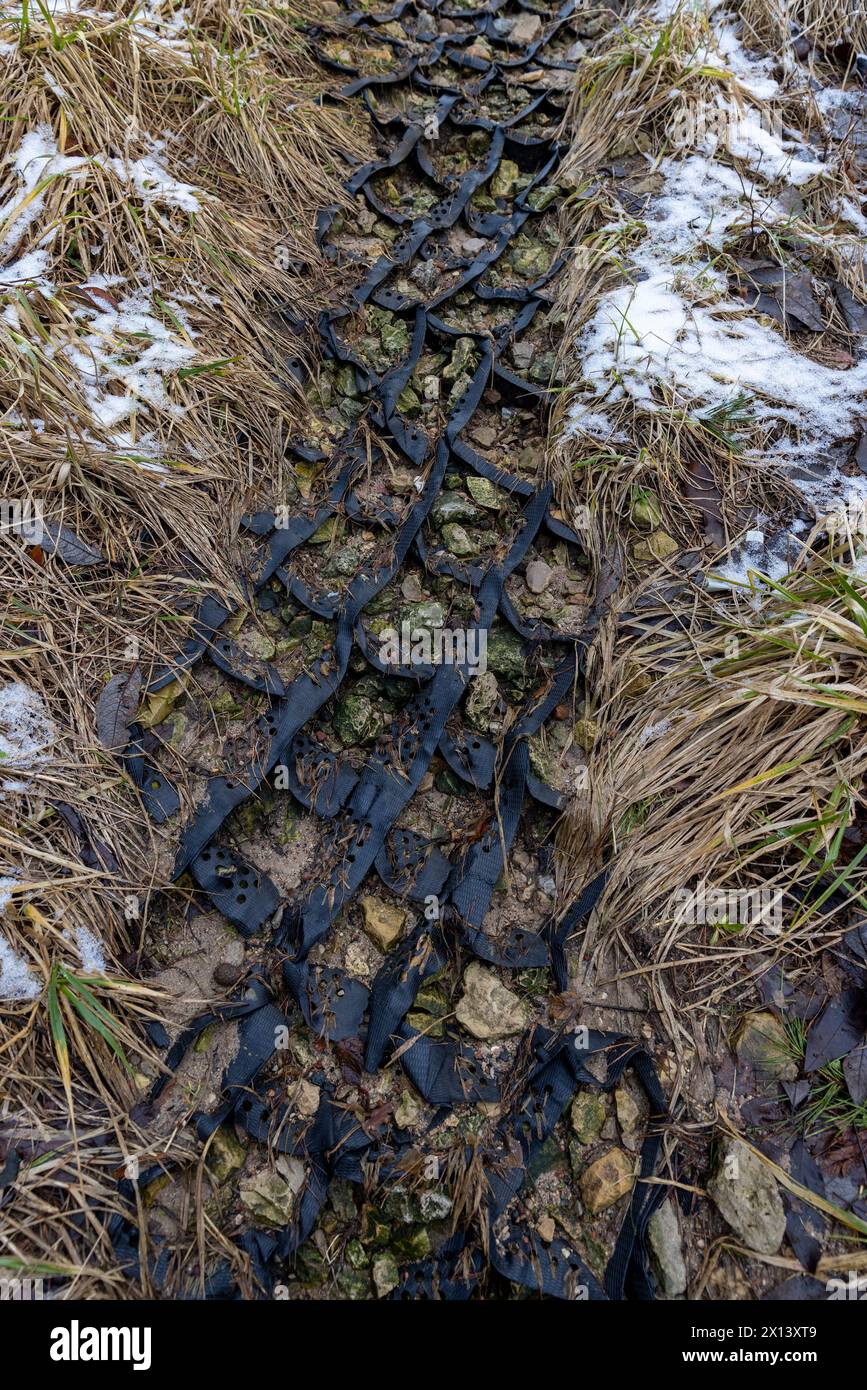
(658, 546)
(453, 506)
(588, 1116)
(505, 653)
(457, 541)
(763, 1043)
(225, 1154)
(227, 975)
(482, 701)
(546, 1228)
(483, 491)
(586, 733)
(385, 1276)
(307, 1098)
(631, 1117)
(607, 1180)
(356, 961)
(428, 614)
(407, 1112)
(434, 1206)
(485, 435)
(473, 245)
(526, 29)
(646, 510)
(271, 1199)
(504, 180)
(538, 576)
(355, 720)
(382, 922)
(663, 1237)
(522, 354)
(411, 588)
(748, 1198)
(487, 1009)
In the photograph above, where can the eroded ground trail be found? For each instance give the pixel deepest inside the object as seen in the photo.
(372, 826)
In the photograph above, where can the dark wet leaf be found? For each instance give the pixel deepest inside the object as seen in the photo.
(805, 1170)
(703, 492)
(116, 708)
(861, 452)
(68, 547)
(808, 1250)
(797, 1092)
(838, 1029)
(801, 1288)
(94, 853)
(793, 294)
(856, 939)
(855, 1072)
(854, 313)
(762, 1112)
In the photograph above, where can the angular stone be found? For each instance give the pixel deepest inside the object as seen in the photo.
(382, 922)
(631, 1117)
(457, 541)
(538, 576)
(225, 1154)
(663, 1237)
(607, 1180)
(763, 1043)
(453, 506)
(586, 733)
(270, 1198)
(355, 720)
(526, 29)
(506, 655)
(504, 180)
(427, 614)
(307, 1098)
(385, 1276)
(482, 700)
(646, 511)
(486, 493)
(588, 1116)
(748, 1198)
(407, 1112)
(658, 546)
(487, 1009)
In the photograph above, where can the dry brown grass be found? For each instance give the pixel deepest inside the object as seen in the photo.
(740, 770)
(159, 492)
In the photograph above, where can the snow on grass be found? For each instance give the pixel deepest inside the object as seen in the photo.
(27, 734)
(109, 353)
(154, 185)
(16, 981)
(90, 952)
(34, 164)
(677, 330)
(124, 352)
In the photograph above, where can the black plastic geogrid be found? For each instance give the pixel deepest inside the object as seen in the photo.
(362, 806)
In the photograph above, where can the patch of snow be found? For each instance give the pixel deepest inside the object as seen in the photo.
(16, 981)
(153, 183)
(26, 732)
(90, 951)
(36, 159)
